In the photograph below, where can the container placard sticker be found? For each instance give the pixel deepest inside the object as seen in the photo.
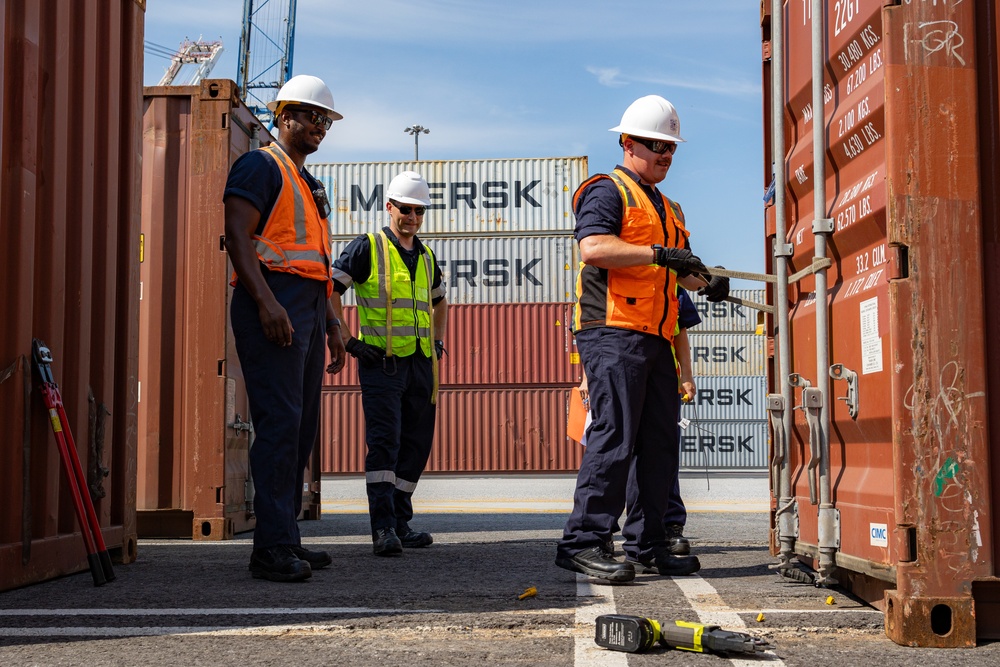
(879, 534)
(871, 342)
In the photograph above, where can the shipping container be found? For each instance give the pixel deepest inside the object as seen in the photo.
(728, 398)
(497, 345)
(502, 269)
(478, 430)
(525, 196)
(721, 354)
(729, 317)
(69, 154)
(885, 484)
(194, 422)
(725, 445)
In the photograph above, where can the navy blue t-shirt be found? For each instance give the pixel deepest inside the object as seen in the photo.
(687, 314)
(256, 177)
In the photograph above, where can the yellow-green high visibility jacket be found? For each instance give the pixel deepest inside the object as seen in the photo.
(395, 310)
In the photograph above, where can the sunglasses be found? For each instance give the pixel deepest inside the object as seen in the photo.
(318, 118)
(655, 145)
(406, 210)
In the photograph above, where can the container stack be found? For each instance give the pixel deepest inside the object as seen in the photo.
(502, 231)
(727, 426)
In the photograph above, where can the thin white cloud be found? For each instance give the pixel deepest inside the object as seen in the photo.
(612, 77)
(608, 76)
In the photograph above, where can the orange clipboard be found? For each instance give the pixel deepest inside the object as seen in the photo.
(576, 425)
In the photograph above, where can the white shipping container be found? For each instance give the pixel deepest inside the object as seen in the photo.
(726, 316)
(727, 399)
(505, 269)
(724, 445)
(727, 354)
(513, 196)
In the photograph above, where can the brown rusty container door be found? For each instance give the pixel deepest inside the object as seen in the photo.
(69, 150)
(909, 442)
(194, 425)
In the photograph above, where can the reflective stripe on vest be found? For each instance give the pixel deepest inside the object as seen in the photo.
(295, 239)
(640, 298)
(396, 324)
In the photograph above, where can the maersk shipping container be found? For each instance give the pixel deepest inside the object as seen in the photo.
(523, 196)
(69, 153)
(194, 423)
(478, 430)
(728, 398)
(728, 445)
(727, 354)
(496, 345)
(502, 269)
(728, 317)
(894, 375)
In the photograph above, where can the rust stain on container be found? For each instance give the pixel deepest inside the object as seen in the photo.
(194, 421)
(70, 233)
(478, 430)
(497, 344)
(915, 236)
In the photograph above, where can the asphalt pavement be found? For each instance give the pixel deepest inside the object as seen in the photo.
(486, 592)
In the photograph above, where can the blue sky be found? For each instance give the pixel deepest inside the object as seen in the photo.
(545, 78)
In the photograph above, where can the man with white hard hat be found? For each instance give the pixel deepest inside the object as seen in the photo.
(403, 312)
(278, 240)
(634, 255)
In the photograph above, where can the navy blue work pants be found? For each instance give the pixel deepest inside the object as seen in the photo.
(399, 431)
(283, 387)
(632, 382)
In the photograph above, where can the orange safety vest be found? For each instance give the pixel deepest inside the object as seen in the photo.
(640, 298)
(295, 238)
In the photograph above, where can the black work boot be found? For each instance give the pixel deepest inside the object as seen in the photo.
(596, 562)
(667, 564)
(278, 564)
(386, 543)
(413, 539)
(677, 544)
(316, 559)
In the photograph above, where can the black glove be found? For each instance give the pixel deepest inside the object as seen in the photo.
(679, 259)
(365, 353)
(717, 288)
(439, 349)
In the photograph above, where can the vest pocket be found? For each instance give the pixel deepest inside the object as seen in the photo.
(631, 300)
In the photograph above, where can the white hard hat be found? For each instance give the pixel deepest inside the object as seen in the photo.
(409, 187)
(651, 117)
(305, 89)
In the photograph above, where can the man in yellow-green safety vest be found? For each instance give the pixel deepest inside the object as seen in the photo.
(403, 312)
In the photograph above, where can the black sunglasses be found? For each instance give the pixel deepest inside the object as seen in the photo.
(406, 210)
(657, 146)
(318, 118)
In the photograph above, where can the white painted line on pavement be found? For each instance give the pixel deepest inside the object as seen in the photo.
(156, 631)
(712, 610)
(221, 611)
(587, 653)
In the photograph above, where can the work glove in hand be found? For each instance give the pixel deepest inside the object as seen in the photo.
(365, 353)
(717, 288)
(439, 349)
(680, 260)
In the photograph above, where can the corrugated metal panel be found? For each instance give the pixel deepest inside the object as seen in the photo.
(69, 152)
(515, 269)
(741, 445)
(193, 464)
(728, 399)
(514, 196)
(719, 354)
(901, 102)
(497, 344)
(726, 316)
(478, 430)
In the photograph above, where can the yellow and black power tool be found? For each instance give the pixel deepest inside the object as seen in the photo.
(635, 634)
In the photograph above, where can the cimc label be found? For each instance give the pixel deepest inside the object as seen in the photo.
(879, 533)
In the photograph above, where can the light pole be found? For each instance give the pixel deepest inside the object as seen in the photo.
(416, 131)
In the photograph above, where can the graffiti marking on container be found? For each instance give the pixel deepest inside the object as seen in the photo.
(935, 36)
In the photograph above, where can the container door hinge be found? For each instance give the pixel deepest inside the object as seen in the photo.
(899, 262)
(776, 414)
(240, 425)
(840, 372)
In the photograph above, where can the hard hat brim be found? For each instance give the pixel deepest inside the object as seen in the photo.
(273, 106)
(647, 134)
